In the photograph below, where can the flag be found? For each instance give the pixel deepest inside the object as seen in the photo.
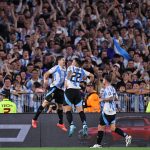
(119, 50)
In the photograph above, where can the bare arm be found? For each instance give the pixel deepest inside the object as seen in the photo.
(82, 13)
(110, 9)
(51, 5)
(70, 13)
(140, 13)
(13, 16)
(19, 6)
(96, 10)
(7, 69)
(144, 44)
(88, 45)
(59, 9)
(11, 60)
(46, 75)
(82, 26)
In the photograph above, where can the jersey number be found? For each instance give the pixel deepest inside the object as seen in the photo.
(76, 77)
(6, 110)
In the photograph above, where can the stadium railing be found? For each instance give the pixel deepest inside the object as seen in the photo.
(29, 102)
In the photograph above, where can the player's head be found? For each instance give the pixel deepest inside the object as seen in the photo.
(60, 60)
(76, 62)
(106, 79)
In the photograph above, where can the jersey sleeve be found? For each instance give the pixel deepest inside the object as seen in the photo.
(85, 73)
(68, 73)
(52, 70)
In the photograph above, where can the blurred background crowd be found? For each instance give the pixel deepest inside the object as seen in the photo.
(34, 32)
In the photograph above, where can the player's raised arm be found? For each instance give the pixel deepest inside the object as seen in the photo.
(55, 91)
(88, 74)
(46, 74)
(68, 76)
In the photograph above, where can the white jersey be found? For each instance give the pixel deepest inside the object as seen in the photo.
(59, 75)
(76, 77)
(109, 108)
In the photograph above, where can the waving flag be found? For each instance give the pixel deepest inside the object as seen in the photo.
(119, 50)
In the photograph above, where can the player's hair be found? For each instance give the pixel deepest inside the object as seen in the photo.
(59, 58)
(107, 77)
(78, 61)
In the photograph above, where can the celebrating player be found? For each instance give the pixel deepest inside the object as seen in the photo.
(108, 113)
(75, 75)
(56, 91)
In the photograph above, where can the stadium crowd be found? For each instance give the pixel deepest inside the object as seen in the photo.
(34, 32)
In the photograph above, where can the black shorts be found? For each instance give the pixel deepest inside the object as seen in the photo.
(55, 93)
(107, 119)
(72, 96)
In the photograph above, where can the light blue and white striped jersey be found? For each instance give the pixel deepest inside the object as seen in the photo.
(76, 77)
(109, 108)
(59, 75)
(19, 100)
(30, 83)
(24, 62)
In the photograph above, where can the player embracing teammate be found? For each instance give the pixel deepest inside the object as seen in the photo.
(72, 96)
(75, 74)
(65, 89)
(56, 91)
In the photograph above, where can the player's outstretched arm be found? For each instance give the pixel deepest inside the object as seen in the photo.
(45, 79)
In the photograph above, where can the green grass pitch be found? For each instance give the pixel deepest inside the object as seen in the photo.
(78, 148)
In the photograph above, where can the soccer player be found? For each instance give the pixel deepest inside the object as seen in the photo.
(75, 75)
(108, 113)
(56, 91)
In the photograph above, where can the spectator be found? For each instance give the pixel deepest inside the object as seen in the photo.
(17, 96)
(34, 78)
(37, 96)
(39, 31)
(7, 86)
(123, 104)
(7, 106)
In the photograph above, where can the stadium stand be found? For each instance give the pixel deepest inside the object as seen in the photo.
(108, 36)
